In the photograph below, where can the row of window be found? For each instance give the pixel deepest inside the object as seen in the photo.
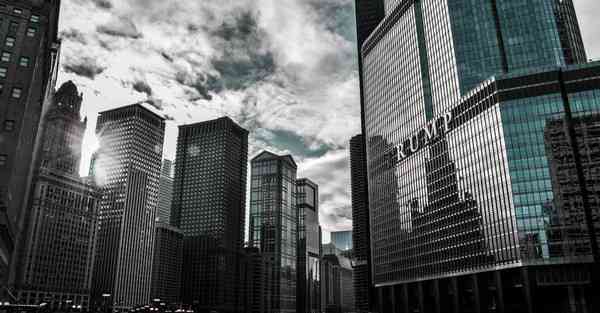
(6, 56)
(34, 17)
(16, 92)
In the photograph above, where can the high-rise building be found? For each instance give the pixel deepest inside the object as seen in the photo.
(209, 204)
(308, 286)
(254, 278)
(127, 168)
(57, 253)
(342, 239)
(29, 57)
(165, 192)
(338, 288)
(167, 264)
(364, 294)
(460, 99)
(274, 227)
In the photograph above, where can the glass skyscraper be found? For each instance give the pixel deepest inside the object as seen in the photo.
(473, 114)
(127, 169)
(209, 203)
(274, 227)
(309, 247)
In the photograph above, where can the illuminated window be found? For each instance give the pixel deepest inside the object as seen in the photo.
(9, 125)
(3, 159)
(17, 11)
(5, 57)
(31, 32)
(24, 61)
(35, 18)
(10, 41)
(16, 93)
(3, 71)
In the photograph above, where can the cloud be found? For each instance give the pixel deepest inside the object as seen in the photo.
(103, 4)
(85, 67)
(120, 26)
(143, 87)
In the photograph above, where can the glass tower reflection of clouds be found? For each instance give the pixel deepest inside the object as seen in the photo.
(478, 193)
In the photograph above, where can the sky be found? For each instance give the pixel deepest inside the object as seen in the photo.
(283, 69)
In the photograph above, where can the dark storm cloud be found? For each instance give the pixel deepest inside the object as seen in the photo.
(244, 59)
(73, 35)
(202, 84)
(120, 27)
(86, 67)
(143, 87)
(103, 4)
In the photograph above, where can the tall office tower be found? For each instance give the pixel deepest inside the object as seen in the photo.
(167, 264)
(165, 192)
(28, 67)
(209, 206)
(466, 210)
(57, 253)
(253, 280)
(338, 288)
(308, 292)
(342, 240)
(364, 294)
(274, 227)
(127, 168)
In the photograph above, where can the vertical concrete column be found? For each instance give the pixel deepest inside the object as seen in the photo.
(528, 292)
(455, 296)
(572, 299)
(476, 294)
(392, 296)
(499, 292)
(436, 295)
(421, 297)
(404, 291)
(380, 303)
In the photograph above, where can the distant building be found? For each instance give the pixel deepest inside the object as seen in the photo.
(167, 264)
(308, 296)
(364, 293)
(127, 167)
(28, 71)
(165, 192)
(338, 288)
(254, 277)
(209, 203)
(274, 227)
(57, 254)
(342, 240)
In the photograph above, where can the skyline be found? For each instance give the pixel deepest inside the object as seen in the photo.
(164, 51)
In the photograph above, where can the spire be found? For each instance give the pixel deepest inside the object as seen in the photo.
(68, 99)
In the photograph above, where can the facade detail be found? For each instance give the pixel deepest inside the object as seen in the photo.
(57, 256)
(165, 192)
(338, 288)
(127, 168)
(167, 264)
(342, 240)
(308, 298)
(209, 203)
(28, 32)
(469, 204)
(274, 227)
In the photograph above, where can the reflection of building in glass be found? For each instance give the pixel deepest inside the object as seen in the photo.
(28, 72)
(462, 203)
(338, 288)
(58, 242)
(308, 297)
(167, 264)
(363, 291)
(165, 191)
(342, 239)
(274, 227)
(209, 207)
(127, 168)
(571, 197)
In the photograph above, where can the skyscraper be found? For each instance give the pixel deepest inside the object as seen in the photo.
(57, 251)
(342, 240)
(165, 192)
(274, 227)
(459, 99)
(209, 204)
(167, 266)
(28, 68)
(363, 291)
(127, 168)
(308, 297)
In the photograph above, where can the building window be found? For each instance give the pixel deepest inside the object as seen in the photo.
(3, 71)
(17, 11)
(16, 93)
(24, 62)
(3, 159)
(5, 56)
(9, 125)
(34, 18)
(10, 41)
(1, 88)
(14, 27)
(31, 32)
